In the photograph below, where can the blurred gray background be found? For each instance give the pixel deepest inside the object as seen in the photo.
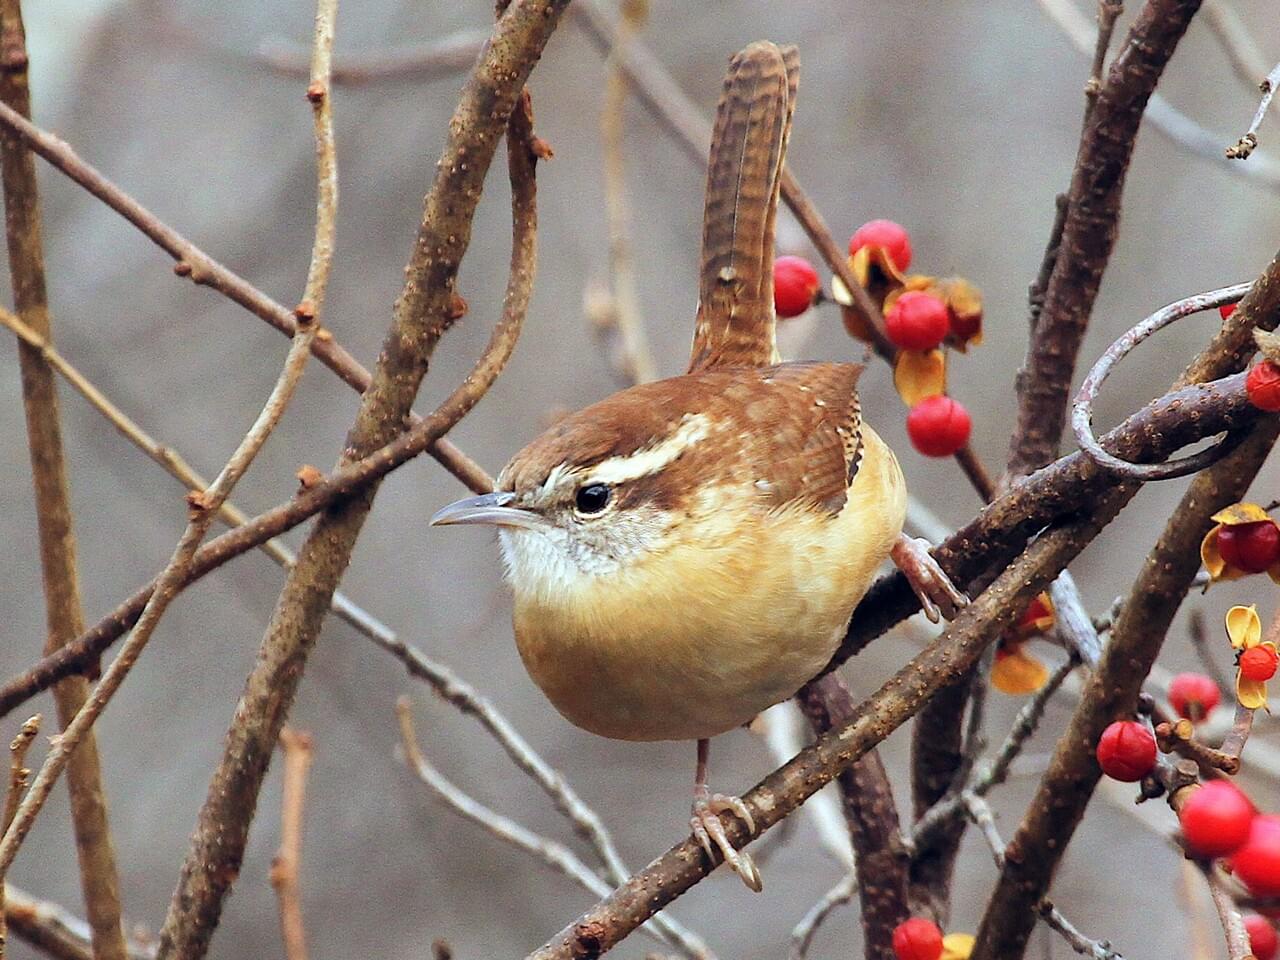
(959, 119)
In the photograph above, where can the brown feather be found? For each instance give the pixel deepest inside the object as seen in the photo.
(791, 431)
(735, 323)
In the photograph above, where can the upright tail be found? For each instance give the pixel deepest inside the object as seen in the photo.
(735, 324)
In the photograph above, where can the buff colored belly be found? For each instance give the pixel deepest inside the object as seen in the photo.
(704, 638)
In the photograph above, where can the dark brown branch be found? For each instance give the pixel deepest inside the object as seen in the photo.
(99, 879)
(1111, 693)
(201, 268)
(866, 797)
(988, 542)
(1088, 235)
(427, 306)
(778, 795)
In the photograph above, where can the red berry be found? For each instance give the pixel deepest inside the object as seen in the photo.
(1126, 751)
(1193, 695)
(1262, 936)
(938, 426)
(795, 284)
(1251, 547)
(1216, 819)
(1259, 663)
(884, 233)
(1227, 309)
(917, 321)
(1263, 386)
(917, 939)
(1257, 863)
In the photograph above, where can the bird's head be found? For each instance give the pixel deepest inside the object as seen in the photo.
(594, 494)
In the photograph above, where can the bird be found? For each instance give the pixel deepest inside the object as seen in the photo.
(688, 552)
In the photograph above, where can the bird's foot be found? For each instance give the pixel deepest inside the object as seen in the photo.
(938, 595)
(708, 829)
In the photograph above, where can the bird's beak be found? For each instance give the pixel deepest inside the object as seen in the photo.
(489, 508)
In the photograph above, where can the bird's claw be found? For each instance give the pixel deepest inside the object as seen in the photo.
(938, 595)
(708, 829)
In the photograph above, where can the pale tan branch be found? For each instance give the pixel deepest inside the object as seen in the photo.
(284, 866)
(1242, 148)
(64, 616)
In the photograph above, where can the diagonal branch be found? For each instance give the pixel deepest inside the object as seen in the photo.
(99, 878)
(426, 308)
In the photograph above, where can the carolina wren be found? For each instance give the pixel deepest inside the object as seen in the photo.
(688, 552)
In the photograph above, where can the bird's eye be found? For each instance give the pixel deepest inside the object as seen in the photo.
(592, 498)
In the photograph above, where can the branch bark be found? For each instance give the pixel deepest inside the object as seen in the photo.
(1089, 231)
(424, 311)
(99, 879)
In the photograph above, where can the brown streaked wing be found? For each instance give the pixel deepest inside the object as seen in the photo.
(735, 323)
(811, 451)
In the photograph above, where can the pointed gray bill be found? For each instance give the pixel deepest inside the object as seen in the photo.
(491, 508)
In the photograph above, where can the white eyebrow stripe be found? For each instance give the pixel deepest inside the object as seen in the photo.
(651, 459)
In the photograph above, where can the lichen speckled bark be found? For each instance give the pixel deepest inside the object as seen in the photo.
(98, 876)
(425, 309)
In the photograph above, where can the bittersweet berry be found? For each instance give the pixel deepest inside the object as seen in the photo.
(1126, 751)
(1262, 936)
(1193, 695)
(1227, 309)
(917, 321)
(1257, 863)
(917, 939)
(1259, 663)
(891, 236)
(1263, 386)
(1251, 547)
(795, 284)
(938, 426)
(1216, 819)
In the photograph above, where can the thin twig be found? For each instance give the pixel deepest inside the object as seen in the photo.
(493, 99)
(442, 57)
(554, 854)
(64, 616)
(53, 930)
(1161, 114)
(637, 359)
(284, 866)
(1200, 644)
(1232, 920)
(803, 933)
(193, 263)
(1236, 41)
(19, 777)
(1242, 148)
(980, 813)
(204, 506)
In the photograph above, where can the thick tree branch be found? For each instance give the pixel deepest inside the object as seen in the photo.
(427, 306)
(99, 879)
(880, 868)
(779, 794)
(1093, 210)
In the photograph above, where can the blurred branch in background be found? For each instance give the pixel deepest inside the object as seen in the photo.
(297, 750)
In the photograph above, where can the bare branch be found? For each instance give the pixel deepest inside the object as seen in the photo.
(492, 99)
(1238, 945)
(64, 616)
(444, 57)
(19, 777)
(53, 931)
(803, 933)
(1242, 148)
(284, 866)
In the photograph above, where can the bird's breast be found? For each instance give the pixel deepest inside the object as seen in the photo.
(740, 610)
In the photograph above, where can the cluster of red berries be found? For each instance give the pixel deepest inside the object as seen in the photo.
(938, 426)
(1127, 749)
